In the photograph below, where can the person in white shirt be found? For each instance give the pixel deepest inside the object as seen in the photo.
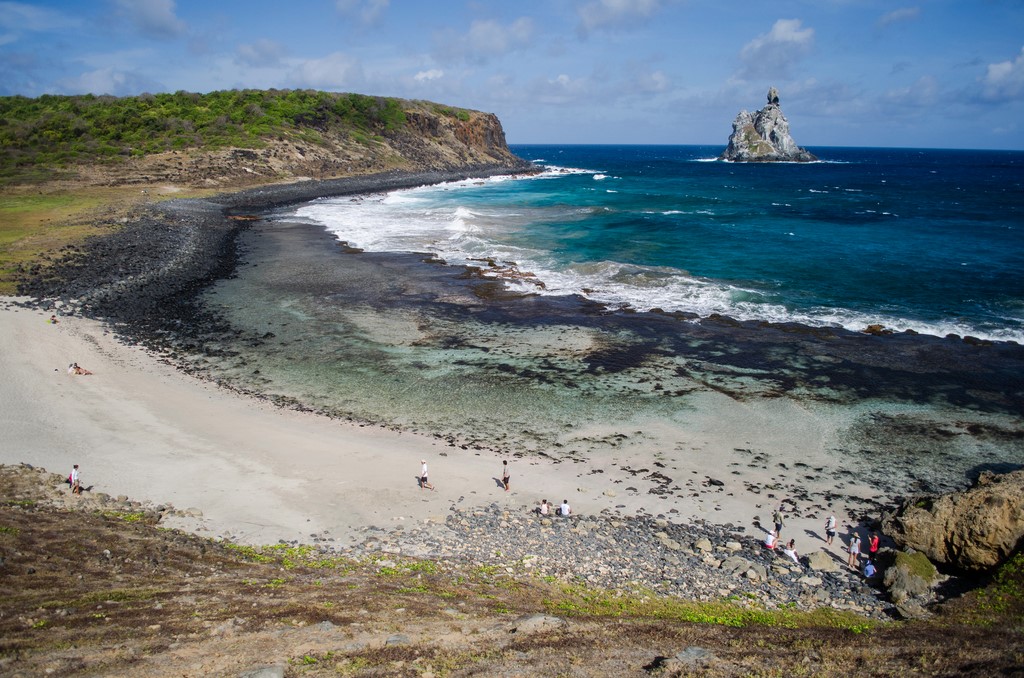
(564, 509)
(544, 508)
(76, 480)
(424, 482)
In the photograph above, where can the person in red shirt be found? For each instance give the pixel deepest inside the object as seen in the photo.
(873, 545)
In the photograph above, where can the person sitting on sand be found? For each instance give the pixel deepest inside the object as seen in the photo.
(564, 509)
(869, 569)
(53, 320)
(769, 540)
(74, 368)
(790, 550)
(544, 508)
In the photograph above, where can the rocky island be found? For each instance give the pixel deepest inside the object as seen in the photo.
(764, 136)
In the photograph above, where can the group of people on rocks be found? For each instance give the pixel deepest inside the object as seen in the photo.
(771, 541)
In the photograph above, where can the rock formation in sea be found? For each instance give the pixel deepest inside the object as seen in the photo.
(973, 530)
(764, 136)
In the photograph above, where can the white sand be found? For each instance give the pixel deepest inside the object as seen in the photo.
(259, 474)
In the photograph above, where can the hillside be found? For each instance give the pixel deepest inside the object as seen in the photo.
(236, 138)
(124, 597)
(79, 166)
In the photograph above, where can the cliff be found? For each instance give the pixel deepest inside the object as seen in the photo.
(764, 136)
(239, 138)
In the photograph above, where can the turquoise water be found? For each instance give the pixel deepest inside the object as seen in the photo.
(544, 346)
(912, 239)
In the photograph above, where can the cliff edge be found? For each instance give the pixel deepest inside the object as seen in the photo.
(764, 136)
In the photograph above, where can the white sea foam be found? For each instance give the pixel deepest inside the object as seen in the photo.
(453, 226)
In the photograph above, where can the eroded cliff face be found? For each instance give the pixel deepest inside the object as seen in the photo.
(764, 136)
(972, 530)
(433, 138)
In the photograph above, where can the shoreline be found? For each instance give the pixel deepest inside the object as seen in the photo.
(259, 472)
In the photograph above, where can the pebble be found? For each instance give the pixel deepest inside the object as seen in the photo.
(635, 554)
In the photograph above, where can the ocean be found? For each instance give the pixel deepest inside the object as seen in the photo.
(926, 240)
(654, 299)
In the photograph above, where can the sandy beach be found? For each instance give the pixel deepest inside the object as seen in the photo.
(260, 474)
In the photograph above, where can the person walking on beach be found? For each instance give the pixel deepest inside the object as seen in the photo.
(424, 482)
(504, 474)
(777, 519)
(830, 528)
(854, 558)
(76, 480)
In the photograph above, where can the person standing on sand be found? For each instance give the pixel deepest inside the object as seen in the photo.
(830, 528)
(854, 558)
(873, 545)
(504, 474)
(76, 480)
(424, 482)
(777, 519)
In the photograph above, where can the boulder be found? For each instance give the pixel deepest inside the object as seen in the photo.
(910, 577)
(764, 136)
(819, 561)
(972, 530)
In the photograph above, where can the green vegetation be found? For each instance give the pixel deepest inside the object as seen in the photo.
(1002, 601)
(577, 600)
(57, 131)
(917, 564)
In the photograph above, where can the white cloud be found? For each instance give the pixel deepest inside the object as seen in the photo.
(18, 16)
(772, 54)
(898, 15)
(108, 81)
(1004, 81)
(153, 18)
(262, 53)
(368, 11)
(432, 74)
(923, 93)
(485, 39)
(560, 90)
(334, 71)
(614, 13)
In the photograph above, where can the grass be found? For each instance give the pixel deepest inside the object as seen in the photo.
(36, 226)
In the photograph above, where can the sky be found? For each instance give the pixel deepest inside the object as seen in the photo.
(920, 73)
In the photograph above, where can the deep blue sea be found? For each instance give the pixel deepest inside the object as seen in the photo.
(928, 240)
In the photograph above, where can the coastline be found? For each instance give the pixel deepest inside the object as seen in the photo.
(226, 466)
(259, 473)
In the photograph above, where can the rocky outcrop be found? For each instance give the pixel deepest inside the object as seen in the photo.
(432, 139)
(972, 530)
(910, 579)
(764, 136)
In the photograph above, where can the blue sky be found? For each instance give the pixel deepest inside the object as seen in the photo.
(924, 73)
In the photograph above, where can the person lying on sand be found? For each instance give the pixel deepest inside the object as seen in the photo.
(74, 368)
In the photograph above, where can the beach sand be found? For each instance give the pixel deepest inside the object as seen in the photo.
(259, 474)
